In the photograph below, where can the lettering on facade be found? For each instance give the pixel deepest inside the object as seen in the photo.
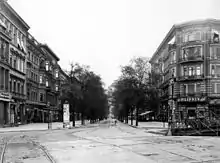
(5, 95)
(192, 99)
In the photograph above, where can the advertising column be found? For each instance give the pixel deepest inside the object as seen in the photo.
(66, 115)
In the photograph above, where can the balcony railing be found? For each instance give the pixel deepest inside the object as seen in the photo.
(18, 95)
(191, 59)
(191, 77)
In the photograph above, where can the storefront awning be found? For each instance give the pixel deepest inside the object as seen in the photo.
(145, 113)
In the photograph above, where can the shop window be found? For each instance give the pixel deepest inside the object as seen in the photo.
(191, 113)
(198, 87)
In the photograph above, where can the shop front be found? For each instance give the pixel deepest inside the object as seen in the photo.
(191, 108)
(4, 108)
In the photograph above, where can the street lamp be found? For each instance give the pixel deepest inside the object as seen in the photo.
(171, 107)
(49, 116)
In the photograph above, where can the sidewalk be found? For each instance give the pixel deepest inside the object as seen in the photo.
(159, 128)
(42, 127)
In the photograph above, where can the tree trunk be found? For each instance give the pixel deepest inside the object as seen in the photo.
(132, 117)
(136, 116)
(82, 119)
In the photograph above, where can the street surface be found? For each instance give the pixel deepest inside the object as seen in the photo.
(106, 143)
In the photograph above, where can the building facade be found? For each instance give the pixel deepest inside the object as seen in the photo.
(30, 76)
(188, 60)
(14, 51)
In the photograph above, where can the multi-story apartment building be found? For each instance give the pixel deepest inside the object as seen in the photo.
(188, 60)
(14, 31)
(30, 76)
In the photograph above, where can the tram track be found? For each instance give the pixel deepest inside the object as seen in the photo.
(6, 143)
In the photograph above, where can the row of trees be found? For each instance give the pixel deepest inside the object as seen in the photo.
(135, 90)
(84, 90)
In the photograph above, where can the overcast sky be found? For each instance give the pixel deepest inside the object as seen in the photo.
(107, 33)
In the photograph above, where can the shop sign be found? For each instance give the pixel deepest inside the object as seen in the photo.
(5, 95)
(192, 99)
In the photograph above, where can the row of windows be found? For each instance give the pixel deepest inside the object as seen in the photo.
(16, 86)
(191, 70)
(196, 88)
(17, 63)
(17, 37)
(32, 75)
(33, 58)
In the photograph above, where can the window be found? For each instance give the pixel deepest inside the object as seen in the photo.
(217, 69)
(215, 52)
(190, 71)
(22, 89)
(10, 84)
(218, 88)
(41, 97)
(185, 71)
(213, 87)
(18, 87)
(47, 84)
(47, 66)
(173, 72)
(191, 88)
(15, 63)
(184, 89)
(198, 88)
(198, 70)
(41, 79)
(14, 88)
(57, 88)
(56, 74)
(195, 36)
(10, 60)
(212, 69)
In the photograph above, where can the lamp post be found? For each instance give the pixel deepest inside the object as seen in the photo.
(171, 107)
(49, 116)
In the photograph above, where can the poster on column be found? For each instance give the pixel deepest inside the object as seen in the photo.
(66, 115)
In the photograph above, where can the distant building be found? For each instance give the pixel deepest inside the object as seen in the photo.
(190, 56)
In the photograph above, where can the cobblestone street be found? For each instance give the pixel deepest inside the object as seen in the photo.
(108, 143)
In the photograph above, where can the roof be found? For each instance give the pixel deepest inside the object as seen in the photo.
(16, 14)
(181, 25)
(45, 46)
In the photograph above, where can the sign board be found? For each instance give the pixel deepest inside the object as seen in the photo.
(192, 99)
(66, 115)
(5, 95)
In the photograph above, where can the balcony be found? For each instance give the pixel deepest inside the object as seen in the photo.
(18, 95)
(191, 59)
(4, 32)
(191, 77)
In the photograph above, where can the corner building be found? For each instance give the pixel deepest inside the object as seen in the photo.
(190, 56)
